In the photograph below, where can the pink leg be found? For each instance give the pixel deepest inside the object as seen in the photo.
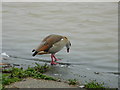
(55, 58)
(52, 62)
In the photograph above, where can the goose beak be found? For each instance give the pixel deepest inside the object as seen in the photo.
(68, 50)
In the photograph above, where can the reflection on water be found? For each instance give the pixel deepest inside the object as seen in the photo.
(91, 28)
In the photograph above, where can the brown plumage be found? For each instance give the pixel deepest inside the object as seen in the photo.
(51, 45)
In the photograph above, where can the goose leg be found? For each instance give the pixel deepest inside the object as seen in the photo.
(55, 58)
(52, 62)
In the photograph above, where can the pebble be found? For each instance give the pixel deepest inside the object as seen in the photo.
(82, 86)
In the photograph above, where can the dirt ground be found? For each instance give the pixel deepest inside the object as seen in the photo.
(39, 83)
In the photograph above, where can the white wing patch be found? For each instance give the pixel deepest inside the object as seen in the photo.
(62, 39)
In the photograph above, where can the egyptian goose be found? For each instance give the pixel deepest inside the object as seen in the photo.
(51, 45)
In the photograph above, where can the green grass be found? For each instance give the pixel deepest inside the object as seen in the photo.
(0, 81)
(72, 82)
(7, 79)
(16, 74)
(94, 84)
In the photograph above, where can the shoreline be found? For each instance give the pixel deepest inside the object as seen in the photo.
(37, 77)
(41, 81)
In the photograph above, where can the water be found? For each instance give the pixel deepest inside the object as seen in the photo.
(91, 27)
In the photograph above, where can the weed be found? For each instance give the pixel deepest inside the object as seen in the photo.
(7, 79)
(41, 69)
(94, 84)
(72, 82)
(16, 74)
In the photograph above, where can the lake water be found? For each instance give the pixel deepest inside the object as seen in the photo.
(91, 27)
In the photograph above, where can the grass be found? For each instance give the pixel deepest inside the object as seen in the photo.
(72, 82)
(7, 79)
(94, 84)
(16, 74)
(0, 81)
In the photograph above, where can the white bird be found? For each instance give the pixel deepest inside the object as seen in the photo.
(51, 45)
